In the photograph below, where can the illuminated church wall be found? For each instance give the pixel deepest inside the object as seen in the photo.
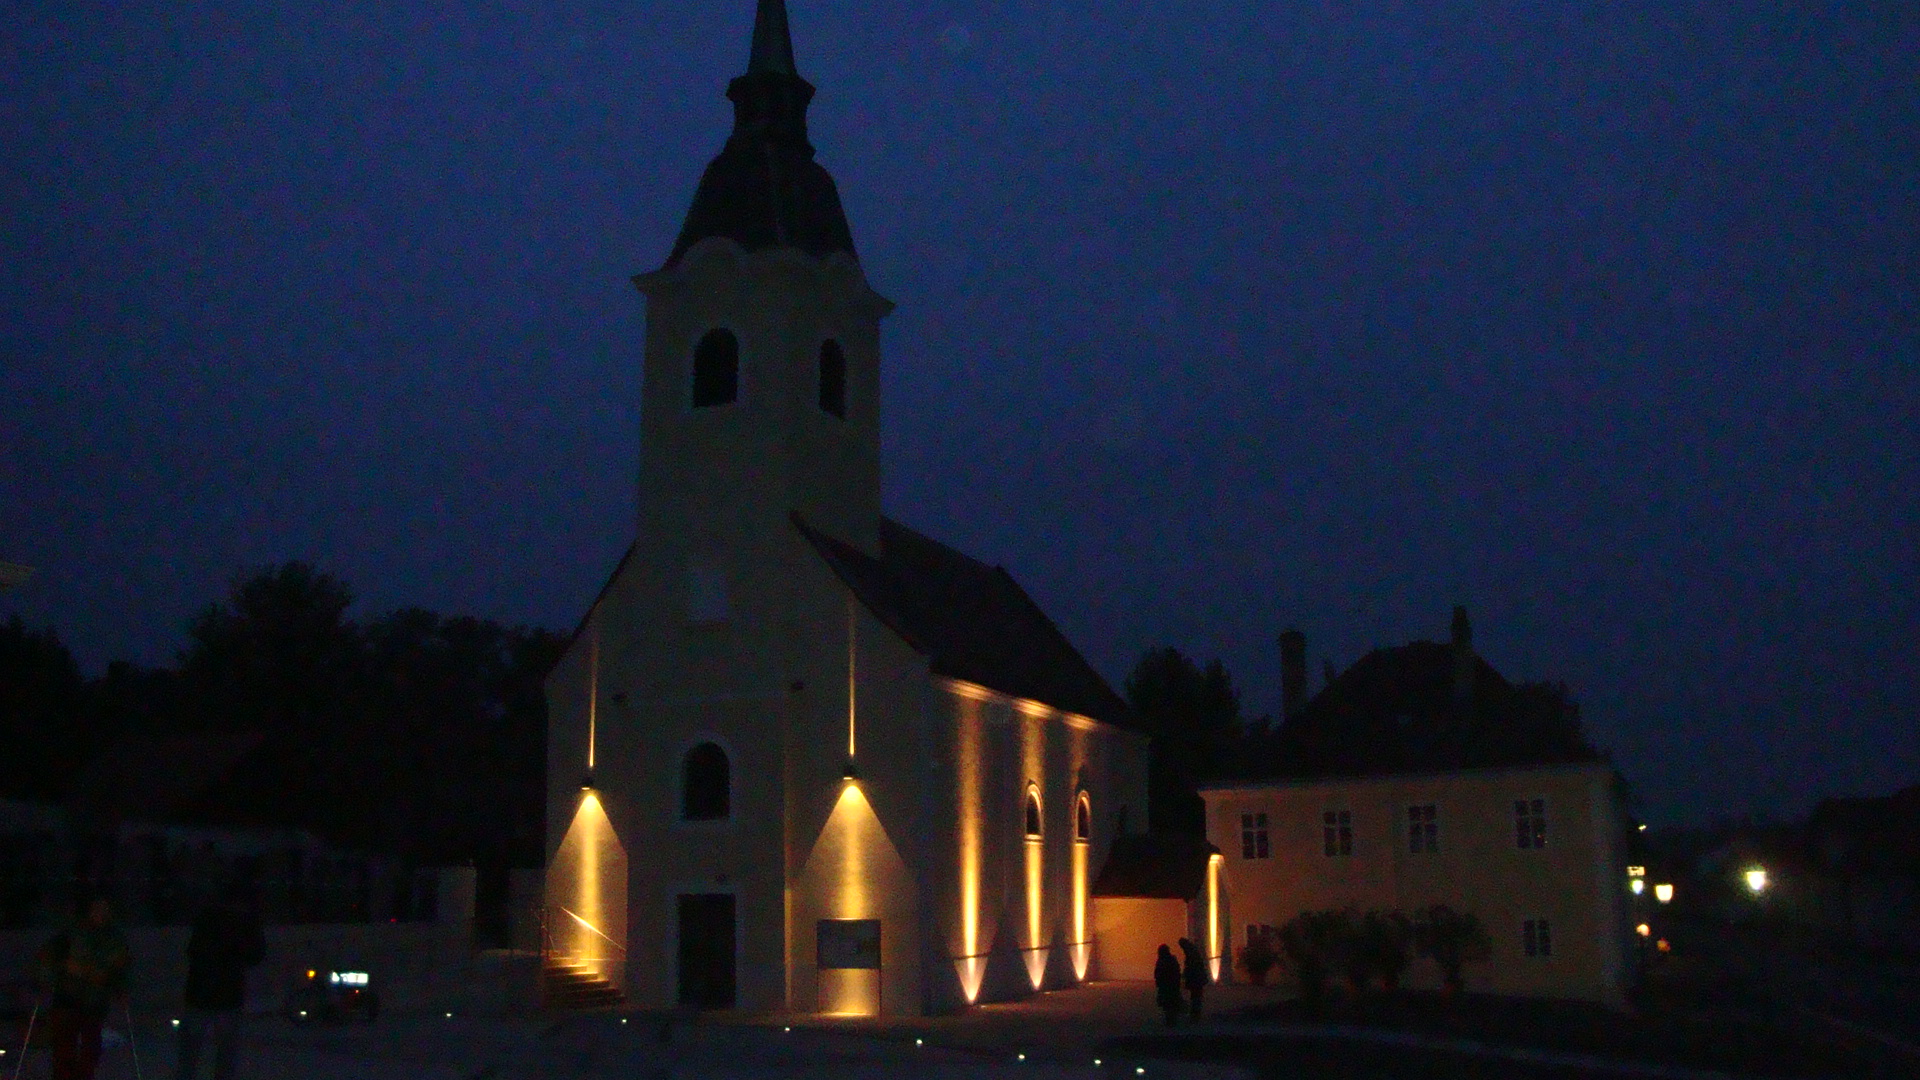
(857, 850)
(1014, 908)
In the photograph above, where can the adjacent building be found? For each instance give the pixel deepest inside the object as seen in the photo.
(1421, 777)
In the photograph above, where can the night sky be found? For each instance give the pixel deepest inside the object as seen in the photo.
(1601, 319)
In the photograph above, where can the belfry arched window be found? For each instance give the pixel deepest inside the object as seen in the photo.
(1033, 811)
(1083, 819)
(716, 369)
(706, 784)
(833, 378)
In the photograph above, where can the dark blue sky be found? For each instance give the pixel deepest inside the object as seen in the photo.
(1603, 320)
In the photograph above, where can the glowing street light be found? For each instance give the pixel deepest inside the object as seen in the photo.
(1638, 885)
(1663, 892)
(1756, 880)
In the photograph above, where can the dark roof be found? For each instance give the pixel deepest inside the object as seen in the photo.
(764, 189)
(972, 621)
(1869, 836)
(605, 587)
(1156, 865)
(1406, 709)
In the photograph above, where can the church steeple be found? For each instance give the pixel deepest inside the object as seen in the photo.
(764, 189)
(772, 41)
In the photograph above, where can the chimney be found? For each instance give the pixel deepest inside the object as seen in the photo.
(1464, 664)
(1293, 674)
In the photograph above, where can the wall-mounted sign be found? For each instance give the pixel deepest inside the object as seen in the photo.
(850, 943)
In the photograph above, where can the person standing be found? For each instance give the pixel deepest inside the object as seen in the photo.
(82, 971)
(226, 941)
(1196, 975)
(1166, 985)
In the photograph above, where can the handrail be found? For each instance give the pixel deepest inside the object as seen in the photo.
(594, 928)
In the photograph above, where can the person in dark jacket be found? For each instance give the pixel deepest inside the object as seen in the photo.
(1166, 985)
(226, 941)
(1196, 975)
(83, 972)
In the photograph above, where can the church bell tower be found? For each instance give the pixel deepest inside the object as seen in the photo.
(761, 391)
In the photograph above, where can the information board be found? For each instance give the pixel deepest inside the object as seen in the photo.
(850, 943)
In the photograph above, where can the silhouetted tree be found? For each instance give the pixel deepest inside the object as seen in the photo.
(280, 658)
(40, 702)
(1193, 716)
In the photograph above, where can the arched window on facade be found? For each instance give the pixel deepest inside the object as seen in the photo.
(716, 369)
(706, 784)
(1083, 819)
(833, 378)
(1033, 811)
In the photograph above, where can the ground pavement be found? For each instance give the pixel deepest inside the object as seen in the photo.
(1048, 1037)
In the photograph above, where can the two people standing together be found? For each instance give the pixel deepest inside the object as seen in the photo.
(1168, 976)
(82, 973)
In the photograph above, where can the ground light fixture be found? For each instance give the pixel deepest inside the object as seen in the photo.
(1663, 892)
(1757, 880)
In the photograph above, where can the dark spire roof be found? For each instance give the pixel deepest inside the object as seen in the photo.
(772, 41)
(764, 189)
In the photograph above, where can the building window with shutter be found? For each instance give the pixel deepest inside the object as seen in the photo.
(1337, 831)
(1530, 823)
(1536, 937)
(1253, 836)
(1423, 829)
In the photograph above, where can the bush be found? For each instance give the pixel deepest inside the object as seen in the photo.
(1310, 948)
(1257, 958)
(1385, 947)
(1453, 939)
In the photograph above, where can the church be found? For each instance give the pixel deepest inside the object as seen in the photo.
(802, 758)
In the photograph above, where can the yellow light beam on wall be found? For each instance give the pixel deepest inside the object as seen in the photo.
(1036, 952)
(593, 693)
(1213, 915)
(1080, 951)
(972, 967)
(851, 671)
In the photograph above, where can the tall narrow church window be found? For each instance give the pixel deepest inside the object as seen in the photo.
(716, 369)
(1033, 811)
(833, 378)
(706, 784)
(1083, 819)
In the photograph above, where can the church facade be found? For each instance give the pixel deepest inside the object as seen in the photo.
(801, 757)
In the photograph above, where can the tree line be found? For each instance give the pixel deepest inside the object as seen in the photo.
(411, 733)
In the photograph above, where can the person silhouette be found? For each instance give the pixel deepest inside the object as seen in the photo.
(82, 972)
(226, 941)
(1196, 974)
(1166, 985)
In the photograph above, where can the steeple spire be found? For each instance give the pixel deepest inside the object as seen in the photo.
(772, 41)
(764, 189)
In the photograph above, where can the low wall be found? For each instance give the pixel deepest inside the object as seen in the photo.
(414, 966)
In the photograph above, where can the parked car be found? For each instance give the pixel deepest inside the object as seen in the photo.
(333, 997)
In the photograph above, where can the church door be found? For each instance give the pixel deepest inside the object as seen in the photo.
(706, 950)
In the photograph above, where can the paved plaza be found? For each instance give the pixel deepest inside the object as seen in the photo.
(1052, 1036)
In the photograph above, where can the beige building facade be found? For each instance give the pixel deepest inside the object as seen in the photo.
(801, 757)
(1537, 854)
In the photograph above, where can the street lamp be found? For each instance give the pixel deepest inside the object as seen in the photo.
(1756, 880)
(1663, 892)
